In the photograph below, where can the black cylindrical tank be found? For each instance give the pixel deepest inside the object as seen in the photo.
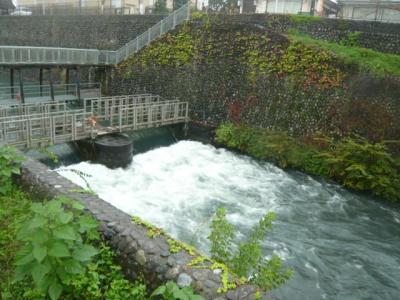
(113, 151)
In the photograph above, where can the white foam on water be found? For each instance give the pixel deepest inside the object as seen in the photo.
(179, 187)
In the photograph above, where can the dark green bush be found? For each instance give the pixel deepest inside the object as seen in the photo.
(354, 162)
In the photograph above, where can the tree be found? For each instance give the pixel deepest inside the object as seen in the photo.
(179, 3)
(160, 6)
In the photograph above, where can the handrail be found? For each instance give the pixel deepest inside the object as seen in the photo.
(20, 55)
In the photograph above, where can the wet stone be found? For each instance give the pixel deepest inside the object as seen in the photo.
(140, 257)
(184, 280)
(172, 273)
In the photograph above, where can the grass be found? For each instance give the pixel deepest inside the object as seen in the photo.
(366, 60)
(304, 19)
(14, 209)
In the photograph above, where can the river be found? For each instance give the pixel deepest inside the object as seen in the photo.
(341, 245)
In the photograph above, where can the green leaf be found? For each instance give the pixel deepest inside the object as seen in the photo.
(39, 271)
(54, 207)
(39, 253)
(25, 260)
(87, 223)
(59, 249)
(85, 253)
(66, 217)
(65, 232)
(159, 291)
(40, 235)
(55, 291)
(37, 221)
(73, 266)
(179, 294)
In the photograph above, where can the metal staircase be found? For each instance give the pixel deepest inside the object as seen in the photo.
(26, 55)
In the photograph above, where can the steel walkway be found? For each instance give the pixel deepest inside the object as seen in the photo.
(23, 56)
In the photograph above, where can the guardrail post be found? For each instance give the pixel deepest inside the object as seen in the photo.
(161, 27)
(188, 11)
(148, 36)
(174, 21)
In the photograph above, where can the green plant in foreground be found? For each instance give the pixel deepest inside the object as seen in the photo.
(10, 164)
(248, 259)
(56, 247)
(171, 291)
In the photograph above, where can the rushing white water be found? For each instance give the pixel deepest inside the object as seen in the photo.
(341, 245)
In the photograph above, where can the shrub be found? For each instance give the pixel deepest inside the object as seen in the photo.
(56, 245)
(363, 166)
(10, 164)
(354, 162)
(248, 259)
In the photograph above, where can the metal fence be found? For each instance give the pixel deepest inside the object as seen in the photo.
(22, 55)
(13, 95)
(26, 55)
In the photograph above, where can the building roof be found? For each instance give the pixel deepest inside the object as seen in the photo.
(6, 4)
(374, 2)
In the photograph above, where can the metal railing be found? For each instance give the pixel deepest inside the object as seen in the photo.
(12, 95)
(16, 55)
(42, 129)
(170, 22)
(26, 55)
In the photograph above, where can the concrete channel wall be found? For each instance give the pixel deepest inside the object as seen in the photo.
(138, 253)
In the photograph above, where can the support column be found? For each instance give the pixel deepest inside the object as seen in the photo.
(51, 86)
(67, 80)
(21, 86)
(41, 81)
(12, 83)
(78, 84)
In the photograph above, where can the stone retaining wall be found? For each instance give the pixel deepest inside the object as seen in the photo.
(97, 32)
(137, 252)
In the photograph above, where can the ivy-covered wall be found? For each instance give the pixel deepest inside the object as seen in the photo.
(247, 74)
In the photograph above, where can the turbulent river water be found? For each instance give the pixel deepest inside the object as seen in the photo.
(341, 245)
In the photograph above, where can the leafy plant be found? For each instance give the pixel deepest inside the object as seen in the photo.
(103, 279)
(248, 258)
(222, 234)
(364, 166)
(56, 245)
(10, 164)
(171, 291)
(354, 162)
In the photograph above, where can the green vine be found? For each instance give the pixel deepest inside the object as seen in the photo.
(198, 261)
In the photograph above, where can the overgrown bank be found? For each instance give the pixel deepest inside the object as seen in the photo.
(354, 162)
